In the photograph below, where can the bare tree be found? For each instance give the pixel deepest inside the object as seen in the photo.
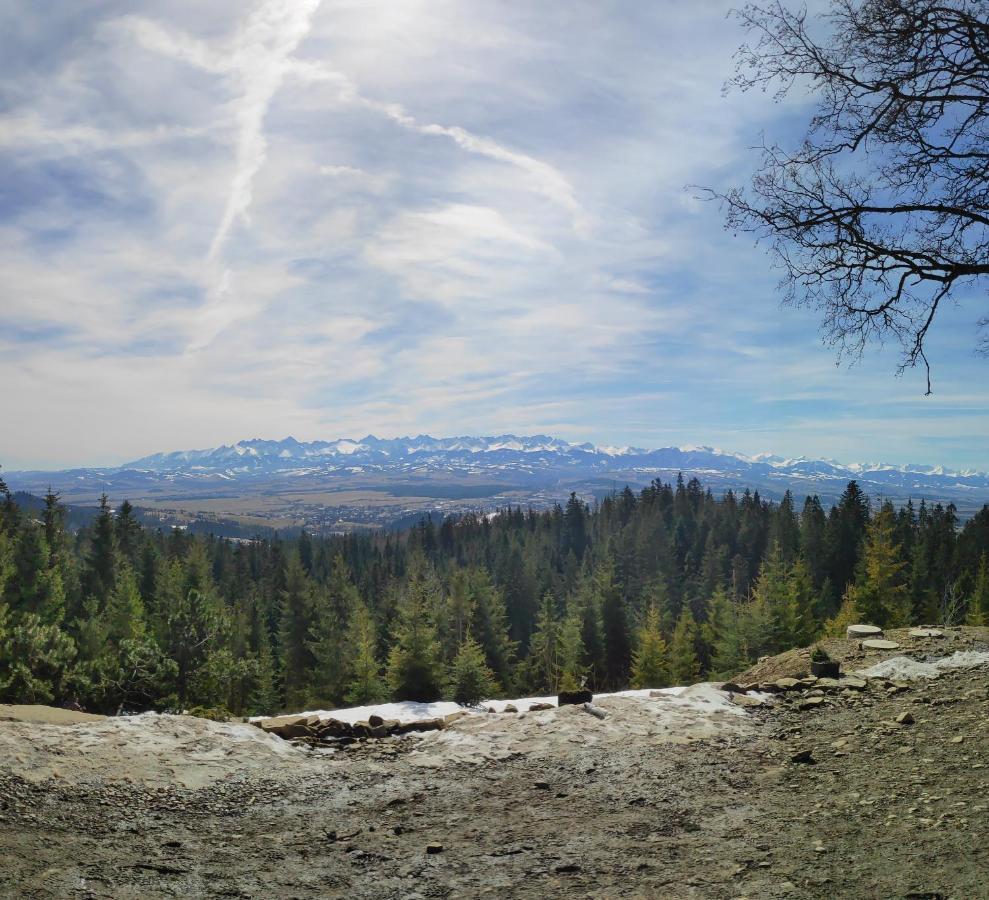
(881, 213)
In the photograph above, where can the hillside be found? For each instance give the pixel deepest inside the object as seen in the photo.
(689, 797)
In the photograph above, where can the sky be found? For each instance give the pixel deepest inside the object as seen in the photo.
(242, 219)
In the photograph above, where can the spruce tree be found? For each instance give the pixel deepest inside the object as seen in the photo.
(978, 603)
(415, 666)
(330, 613)
(364, 682)
(684, 666)
(296, 615)
(470, 680)
(570, 670)
(880, 590)
(650, 664)
(544, 647)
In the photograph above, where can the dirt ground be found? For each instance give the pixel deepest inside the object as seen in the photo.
(554, 804)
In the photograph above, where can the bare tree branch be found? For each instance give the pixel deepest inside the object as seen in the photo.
(882, 212)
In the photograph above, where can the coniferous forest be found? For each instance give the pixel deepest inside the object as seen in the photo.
(667, 586)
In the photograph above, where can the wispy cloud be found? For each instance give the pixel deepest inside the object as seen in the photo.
(294, 216)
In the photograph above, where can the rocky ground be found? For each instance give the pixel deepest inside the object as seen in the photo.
(872, 790)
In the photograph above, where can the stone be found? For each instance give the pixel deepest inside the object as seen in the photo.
(803, 756)
(857, 632)
(854, 683)
(539, 707)
(829, 684)
(375, 721)
(450, 718)
(745, 701)
(926, 633)
(787, 684)
(434, 847)
(880, 645)
(810, 703)
(905, 718)
(510, 708)
(732, 687)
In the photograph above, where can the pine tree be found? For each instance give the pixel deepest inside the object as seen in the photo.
(296, 613)
(684, 666)
(544, 647)
(570, 670)
(415, 667)
(331, 609)
(879, 592)
(489, 625)
(723, 633)
(650, 665)
(470, 680)
(614, 621)
(364, 682)
(978, 603)
(101, 565)
(35, 659)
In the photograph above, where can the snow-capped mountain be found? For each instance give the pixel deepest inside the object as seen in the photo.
(529, 462)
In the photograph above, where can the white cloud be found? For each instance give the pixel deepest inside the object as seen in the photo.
(360, 215)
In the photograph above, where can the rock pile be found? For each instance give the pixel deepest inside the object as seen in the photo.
(314, 729)
(810, 692)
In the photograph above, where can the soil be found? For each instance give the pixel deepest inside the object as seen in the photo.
(839, 800)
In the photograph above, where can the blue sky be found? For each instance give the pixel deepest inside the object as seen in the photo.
(325, 219)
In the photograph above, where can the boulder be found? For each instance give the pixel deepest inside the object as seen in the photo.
(290, 727)
(810, 703)
(538, 707)
(450, 718)
(746, 701)
(857, 632)
(905, 718)
(787, 684)
(333, 728)
(375, 721)
(733, 688)
(880, 645)
(510, 708)
(853, 682)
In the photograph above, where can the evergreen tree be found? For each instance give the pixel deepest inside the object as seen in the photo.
(724, 635)
(101, 565)
(570, 670)
(489, 625)
(684, 666)
(650, 666)
(880, 593)
(415, 667)
(331, 609)
(296, 615)
(544, 647)
(364, 682)
(470, 680)
(978, 603)
(614, 621)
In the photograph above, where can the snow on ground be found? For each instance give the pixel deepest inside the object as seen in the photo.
(907, 669)
(147, 749)
(413, 711)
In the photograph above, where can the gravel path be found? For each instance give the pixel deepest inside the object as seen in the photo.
(881, 809)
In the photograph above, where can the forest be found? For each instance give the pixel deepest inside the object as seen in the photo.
(669, 585)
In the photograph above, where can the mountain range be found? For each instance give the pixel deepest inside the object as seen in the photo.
(495, 465)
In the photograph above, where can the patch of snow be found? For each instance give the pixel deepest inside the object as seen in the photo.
(907, 669)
